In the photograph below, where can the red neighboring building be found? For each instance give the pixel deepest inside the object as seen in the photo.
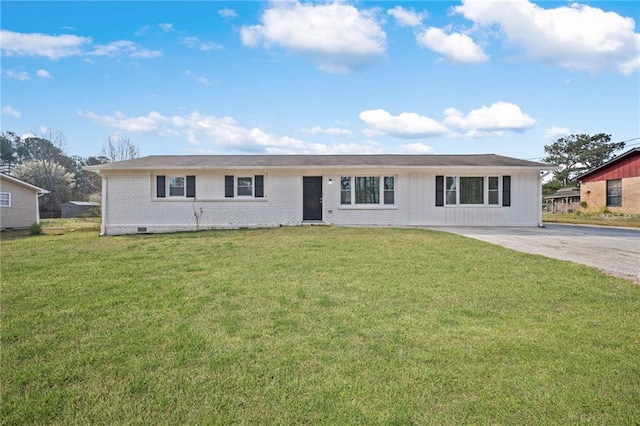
(614, 185)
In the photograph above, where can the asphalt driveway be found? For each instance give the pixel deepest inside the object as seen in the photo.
(615, 251)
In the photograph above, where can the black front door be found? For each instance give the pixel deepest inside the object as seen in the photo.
(312, 198)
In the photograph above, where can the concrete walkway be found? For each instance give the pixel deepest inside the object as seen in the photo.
(615, 251)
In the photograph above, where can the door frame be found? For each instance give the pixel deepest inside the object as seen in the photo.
(305, 212)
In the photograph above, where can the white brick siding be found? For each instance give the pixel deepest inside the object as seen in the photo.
(130, 202)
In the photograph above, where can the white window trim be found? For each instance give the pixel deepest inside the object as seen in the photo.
(8, 194)
(485, 185)
(379, 206)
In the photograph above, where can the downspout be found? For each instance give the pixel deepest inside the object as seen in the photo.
(103, 225)
(38, 195)
(542, 176)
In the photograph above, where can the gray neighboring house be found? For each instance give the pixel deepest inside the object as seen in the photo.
(19, 204)
(79, 208)
(164, 193)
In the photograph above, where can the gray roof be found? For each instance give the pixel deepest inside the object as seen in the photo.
(570, 191)
(165, 162)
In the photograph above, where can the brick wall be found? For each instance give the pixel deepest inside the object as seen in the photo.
(595, 194)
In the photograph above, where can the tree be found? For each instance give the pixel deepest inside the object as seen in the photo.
(8, 156)
(51, 176)
(576, 154)
(119, 148)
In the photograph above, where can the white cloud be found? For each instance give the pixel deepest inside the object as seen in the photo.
(210, 45)
(36, 44)
(554, 133)
(486, 121)
(223, 133)
(415, 148)
(406, 125)
(337, 37)
(575, 36)
(193, 43)
(154, 122)
(43, 74)
(9, 110)
(332, 131)
(227, 13)
(456, 47)
(142, 30)
(18, 75)
(165, 27)
(407, 17)
(124, 48)
(57, 47)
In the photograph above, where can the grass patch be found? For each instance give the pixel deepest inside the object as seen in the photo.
(313, 325)
(602, 219)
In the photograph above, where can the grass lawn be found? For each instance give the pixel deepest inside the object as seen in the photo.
(311, 325)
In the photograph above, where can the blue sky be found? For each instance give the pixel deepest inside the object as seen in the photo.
(289, 77)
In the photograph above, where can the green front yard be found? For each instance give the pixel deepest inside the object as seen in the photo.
(310, 325)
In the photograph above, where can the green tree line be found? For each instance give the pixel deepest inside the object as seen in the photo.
(41, 161)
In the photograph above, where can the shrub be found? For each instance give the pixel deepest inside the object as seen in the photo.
(583, 204)
(35, 229)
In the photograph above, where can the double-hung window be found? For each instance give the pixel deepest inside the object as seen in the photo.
(5, 199)
(471, 190)
(614, 193)
(244, 186)
(175, 186)
(362, 190)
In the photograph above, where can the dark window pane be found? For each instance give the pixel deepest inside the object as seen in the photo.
(614, 193)
(471, 190)
(345, 190)
(367, 190)
(245, 186)
(389, 197)
(493, 197)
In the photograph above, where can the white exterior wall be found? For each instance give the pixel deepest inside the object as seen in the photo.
(129, 202)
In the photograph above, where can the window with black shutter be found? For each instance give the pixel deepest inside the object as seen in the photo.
(439, 191)
(259, 186)
(191, 186)
(161, 189)
(506, 191)
(228, 186)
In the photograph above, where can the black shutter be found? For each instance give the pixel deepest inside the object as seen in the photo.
(259, 182)
(506, 191)
(228, 186)
(161, 189)
(191, 186)
(439, 191)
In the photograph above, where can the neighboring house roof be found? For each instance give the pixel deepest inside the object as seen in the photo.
(631, 152)
(571, 191)
(155, 162)
(23, 183)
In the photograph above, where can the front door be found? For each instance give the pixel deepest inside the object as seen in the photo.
(312, 198)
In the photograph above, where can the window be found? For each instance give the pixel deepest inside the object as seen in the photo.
(451, 190)
(614, 193)
(176, 186)
(494, 190)
(345, 190)
(244, 186)
(469, 190)
(5, 199)
(367, 190)
(389, 195)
